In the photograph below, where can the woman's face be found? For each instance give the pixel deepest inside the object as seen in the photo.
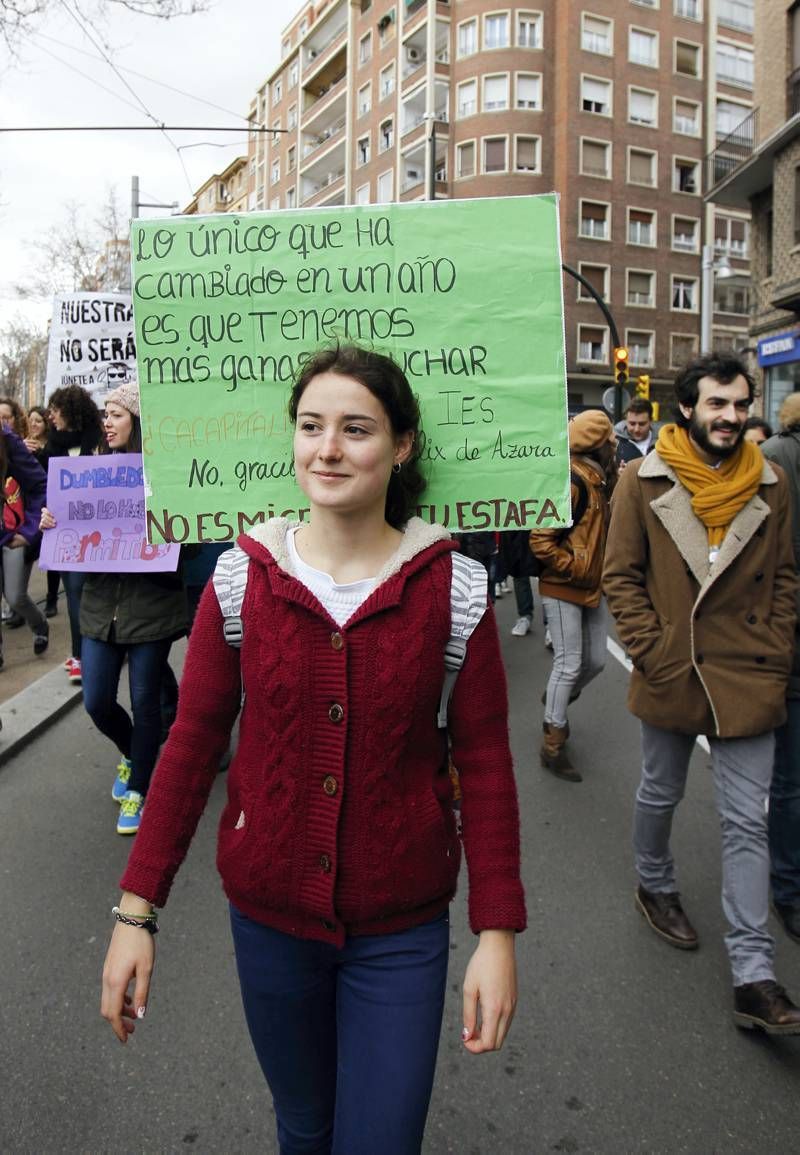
(36, 425)
(117, 425)
(7, 416)
(344, 446)
(58, 419)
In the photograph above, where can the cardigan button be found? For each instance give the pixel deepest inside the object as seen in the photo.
(336, 712)
(699, 659)
(325, 863)
(330, 785)
(759, 576)
(760, 660)
(337, 642)
(752, 619)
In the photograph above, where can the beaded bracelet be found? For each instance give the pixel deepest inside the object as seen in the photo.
(144, 921)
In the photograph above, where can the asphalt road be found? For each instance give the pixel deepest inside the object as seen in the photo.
(620, 1044)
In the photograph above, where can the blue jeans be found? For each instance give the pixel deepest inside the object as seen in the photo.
(347, 1039)
(73, 587)
(784, 810)
(523, 592)
(741, 769)
(140, 737)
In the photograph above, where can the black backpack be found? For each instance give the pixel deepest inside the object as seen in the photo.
(520, 560)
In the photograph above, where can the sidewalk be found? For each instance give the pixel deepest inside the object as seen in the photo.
(34, 691)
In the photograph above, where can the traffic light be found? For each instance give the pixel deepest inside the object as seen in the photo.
(643, 385)
(621, 366)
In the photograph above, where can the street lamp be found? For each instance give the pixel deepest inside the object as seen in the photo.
(712, 270)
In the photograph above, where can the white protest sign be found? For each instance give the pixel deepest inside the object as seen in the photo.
(92, 342)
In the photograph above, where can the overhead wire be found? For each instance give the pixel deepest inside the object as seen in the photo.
(86, 76)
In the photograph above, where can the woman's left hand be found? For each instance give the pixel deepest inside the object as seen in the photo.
(491, 985)
(17, 542)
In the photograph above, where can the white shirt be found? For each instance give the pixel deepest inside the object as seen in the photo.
(341, 601)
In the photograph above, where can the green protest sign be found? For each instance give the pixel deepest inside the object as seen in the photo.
(466, 295)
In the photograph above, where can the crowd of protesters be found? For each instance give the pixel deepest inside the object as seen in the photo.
(688, 530)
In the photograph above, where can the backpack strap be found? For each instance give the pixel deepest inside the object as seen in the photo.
(469, 588)
(230, 582)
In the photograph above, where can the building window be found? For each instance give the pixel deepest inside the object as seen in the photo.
(596, 34)
(465, 159)
(467, 42)
(364, 99)
(294, 71)
(362, 150)
(646, 3)
(642, 167)
(686, 234)
(643, 107)
(640, 291)
(495, 30)
(686, 117)
(686, 176)
(291, 198)
(734, 65)
(684, 294)
(495, 153)
(642, 228)
(385, 187)
(386, 135)
(643, 47)
(641, 344)
(728, 116)
(467, 98)
(362, 194)
(277, 92)
(529, 90)
(736, 14)
(529, 30)
(595, 158)
(687, 58)
(526, 154)
(597, 276)
(275, 172)
(275, 204)
(732, 234)
(495, 93)
(291, 117)
(286, 47)
(593, 344)
(682, 348)
(594, 220)
(732, 299)
(689, 9)
(387, 27)
(387, 81)
(365, 48)
(596, 95)
(291, 159)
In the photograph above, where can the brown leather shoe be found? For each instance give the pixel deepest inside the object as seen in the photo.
(554, 756)
(767, 1006)
(667, 918)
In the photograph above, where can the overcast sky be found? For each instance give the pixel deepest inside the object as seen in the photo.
(222, 56)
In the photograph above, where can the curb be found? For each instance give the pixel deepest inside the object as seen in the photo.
(34, 709)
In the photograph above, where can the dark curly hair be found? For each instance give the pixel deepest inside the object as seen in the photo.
(388, 383)
(77, 408)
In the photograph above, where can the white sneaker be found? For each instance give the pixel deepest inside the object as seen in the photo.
(506, 586)
(521, 627)
(548, 641)
(498, 590)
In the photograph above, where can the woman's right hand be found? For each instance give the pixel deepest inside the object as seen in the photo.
(130, 958)
(46, 521)
(31, 444)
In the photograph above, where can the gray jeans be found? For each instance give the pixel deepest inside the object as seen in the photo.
(742, 770)
(14, 577)
(578, 634)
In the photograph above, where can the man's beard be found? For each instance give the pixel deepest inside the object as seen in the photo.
(698, 434)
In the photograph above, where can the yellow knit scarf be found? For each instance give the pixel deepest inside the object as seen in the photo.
(717, 494)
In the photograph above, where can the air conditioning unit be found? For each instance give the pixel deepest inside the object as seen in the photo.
(414, 54)
(313, 53)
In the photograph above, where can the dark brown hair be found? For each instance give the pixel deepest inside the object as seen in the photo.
(388, 383)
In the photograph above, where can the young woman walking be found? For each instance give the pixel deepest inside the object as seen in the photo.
(338, 847)
(570, 582)
(76, 430)
(135, 616)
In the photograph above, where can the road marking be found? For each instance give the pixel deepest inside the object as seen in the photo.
(617, 652)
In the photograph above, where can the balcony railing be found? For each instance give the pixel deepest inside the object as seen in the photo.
(737, 147)
(793, 94)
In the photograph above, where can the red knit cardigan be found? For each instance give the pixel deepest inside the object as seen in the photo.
(339, 817)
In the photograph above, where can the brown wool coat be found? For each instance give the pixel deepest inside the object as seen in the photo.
(572, 562)
(711, 651)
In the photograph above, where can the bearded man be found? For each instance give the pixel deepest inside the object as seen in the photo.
(700, 578)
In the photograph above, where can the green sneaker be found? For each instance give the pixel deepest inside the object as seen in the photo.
(119, 789)
(130, 813)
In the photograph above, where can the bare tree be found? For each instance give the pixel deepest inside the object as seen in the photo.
(18, 18)
(23, 359)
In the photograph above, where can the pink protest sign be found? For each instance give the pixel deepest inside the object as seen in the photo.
(98, 504)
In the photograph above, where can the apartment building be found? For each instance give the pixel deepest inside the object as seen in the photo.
(224, 192)
(612, 103)
(757, 168)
